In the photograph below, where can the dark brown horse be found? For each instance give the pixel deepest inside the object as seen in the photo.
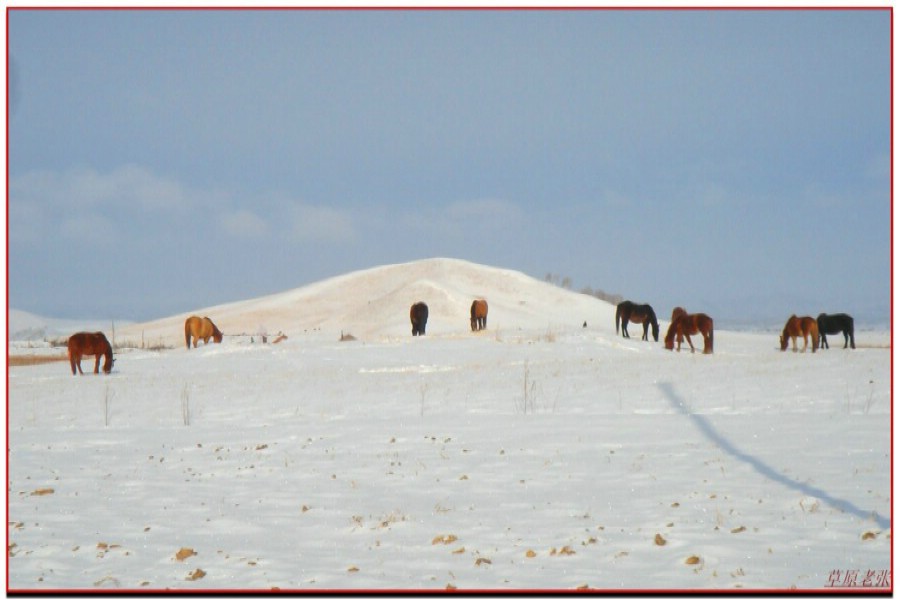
(629, 312)
(90, 344)
(797, 327)
(838, 323)
(685, 325)
(418, 316)
(200, 329)
(479, 312)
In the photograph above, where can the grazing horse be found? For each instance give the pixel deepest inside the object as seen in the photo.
(200, 329)
(629, 312)
(839, 323)
(418, 316)
(479, 314)
(800, 326)
(685, 325)
(87, 344)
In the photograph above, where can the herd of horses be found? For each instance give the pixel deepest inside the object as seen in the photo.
(683, 325)
(817, 331)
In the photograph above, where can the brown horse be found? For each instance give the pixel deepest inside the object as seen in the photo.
(479, 312)
(686, 325)
(200, 329)
(88, 344)
(629, 312)
(418, 316)
(800, 326)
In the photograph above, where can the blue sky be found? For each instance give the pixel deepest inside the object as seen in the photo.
(733, 162)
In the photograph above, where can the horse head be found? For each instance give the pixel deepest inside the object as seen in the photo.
(670, 335)
(108, 361)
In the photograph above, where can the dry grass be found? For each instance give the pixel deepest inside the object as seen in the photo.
(28, 360)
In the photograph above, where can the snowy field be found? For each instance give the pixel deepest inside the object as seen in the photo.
(538, 454)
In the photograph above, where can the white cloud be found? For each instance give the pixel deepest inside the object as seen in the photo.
(244, 224)
(129, 185)
(89, 230)
(483, 211)
(322, 224)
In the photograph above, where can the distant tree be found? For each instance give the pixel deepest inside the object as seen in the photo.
(567, 283)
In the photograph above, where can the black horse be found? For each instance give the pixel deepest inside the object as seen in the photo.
(628, 311)
(418, 316)
(838, 323)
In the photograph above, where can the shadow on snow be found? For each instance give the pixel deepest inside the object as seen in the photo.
(707, 429)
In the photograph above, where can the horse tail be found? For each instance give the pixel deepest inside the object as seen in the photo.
(618, 313)
(187, 333)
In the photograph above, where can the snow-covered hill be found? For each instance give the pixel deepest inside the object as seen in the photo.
(374, 304)
(25, 326)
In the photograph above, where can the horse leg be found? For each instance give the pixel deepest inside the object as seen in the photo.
(72, 363)
(644, 337)
(852, 341)
(690, 343)
(625, 328)
(97, 364)
(823, 341)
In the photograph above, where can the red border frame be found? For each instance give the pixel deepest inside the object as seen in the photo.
(489, 591)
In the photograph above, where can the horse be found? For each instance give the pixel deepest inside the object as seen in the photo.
(418, 316)
(479, 312)
(200, 329)
(628, 311)
(838, 323)
(87, 344)
(686, 325)
(800, 326)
